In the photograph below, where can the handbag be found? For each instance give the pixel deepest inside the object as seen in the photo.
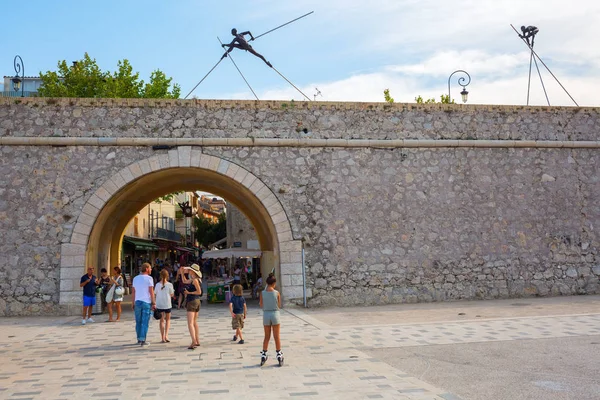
(119, 291)
(157, 314)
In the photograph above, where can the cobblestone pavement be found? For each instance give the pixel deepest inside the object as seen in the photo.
(58, 358)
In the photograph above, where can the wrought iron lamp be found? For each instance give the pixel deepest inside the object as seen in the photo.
(461, 81)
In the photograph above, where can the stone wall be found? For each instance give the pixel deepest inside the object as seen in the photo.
(239, 228)
(379, 225)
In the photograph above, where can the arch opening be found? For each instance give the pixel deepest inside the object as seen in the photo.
(99, 230)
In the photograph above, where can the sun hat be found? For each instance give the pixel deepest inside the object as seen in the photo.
(196, 269)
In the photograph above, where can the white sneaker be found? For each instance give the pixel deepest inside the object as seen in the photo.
(90, 320)
(83, 322)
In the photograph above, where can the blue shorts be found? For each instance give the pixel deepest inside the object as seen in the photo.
(89, 301)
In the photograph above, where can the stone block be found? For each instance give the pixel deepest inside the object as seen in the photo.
(110, 188)
(74, 273)
(103, 194)
(78, 238)
(283, 226)
(274, 209)
(69, 249)
(135, 170)
(296, 280)
(165, 160)
(67, 285)
(232, 170)
(263, 193)
(279, 217)
(185, 153)
(126, 175)
(223, 166)
(145, 166)
(205, 161)
(67, 261)
(285, 235)
(294, 245)
(82, 229)
(96, 202)
(270, 201)
(256, 186)
(70, 298)
(90, 211)
(173, 158)
(154, 163)
(214, 163)
(294, 268)
(292, 292)
(240, 175)
(286, 280)
(195, 158)
(249, 180)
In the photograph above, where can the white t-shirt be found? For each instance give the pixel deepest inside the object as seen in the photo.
(163, 296)
(141, 283)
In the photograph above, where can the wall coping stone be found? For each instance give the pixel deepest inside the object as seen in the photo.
(269, 142)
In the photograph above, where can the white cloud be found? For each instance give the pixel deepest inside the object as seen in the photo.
(494, 82)
(416, 44)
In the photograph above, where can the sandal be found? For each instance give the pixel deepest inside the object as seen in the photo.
(167, 341)
(191, 347)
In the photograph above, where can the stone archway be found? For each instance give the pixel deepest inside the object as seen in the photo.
(98, 230)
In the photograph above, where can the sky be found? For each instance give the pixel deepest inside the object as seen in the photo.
(347, 50)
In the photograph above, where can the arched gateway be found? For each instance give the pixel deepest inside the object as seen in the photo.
(98, 232)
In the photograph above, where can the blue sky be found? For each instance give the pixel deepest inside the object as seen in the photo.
(351, 50)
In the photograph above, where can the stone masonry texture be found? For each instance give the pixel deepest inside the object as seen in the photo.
(379, 225)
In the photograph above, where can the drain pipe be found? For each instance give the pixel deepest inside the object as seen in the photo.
(303, 277)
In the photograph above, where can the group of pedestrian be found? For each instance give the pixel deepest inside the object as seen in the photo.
(111, 285)
(148, 297)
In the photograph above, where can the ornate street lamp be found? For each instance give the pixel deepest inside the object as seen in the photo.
(464, 94)
(19, 83)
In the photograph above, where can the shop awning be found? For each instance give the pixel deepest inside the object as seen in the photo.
(140, 244)
(234, 252)
(185, 249)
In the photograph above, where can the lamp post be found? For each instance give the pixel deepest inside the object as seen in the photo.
(464, 94)
(19, 83)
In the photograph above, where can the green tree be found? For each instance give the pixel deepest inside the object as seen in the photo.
(207, 231)
(159, 85)
(167, 197)
(387, 97)
(85, 79)
(444, 99)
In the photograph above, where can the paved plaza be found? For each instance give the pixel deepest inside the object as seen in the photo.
(385, 352)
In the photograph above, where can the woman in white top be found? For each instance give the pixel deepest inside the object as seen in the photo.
(164, 292)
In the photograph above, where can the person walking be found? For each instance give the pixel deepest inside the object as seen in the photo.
(88, 282)
(164, 292)
(117, 295)
(143, 302)
(270, 302)
(180, 282)
(238, 311)
(192, 292)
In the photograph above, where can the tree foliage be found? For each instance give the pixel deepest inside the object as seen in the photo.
(208, 232)
(85, 79)
(167, 197)
(387, 97)
(444, 99)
